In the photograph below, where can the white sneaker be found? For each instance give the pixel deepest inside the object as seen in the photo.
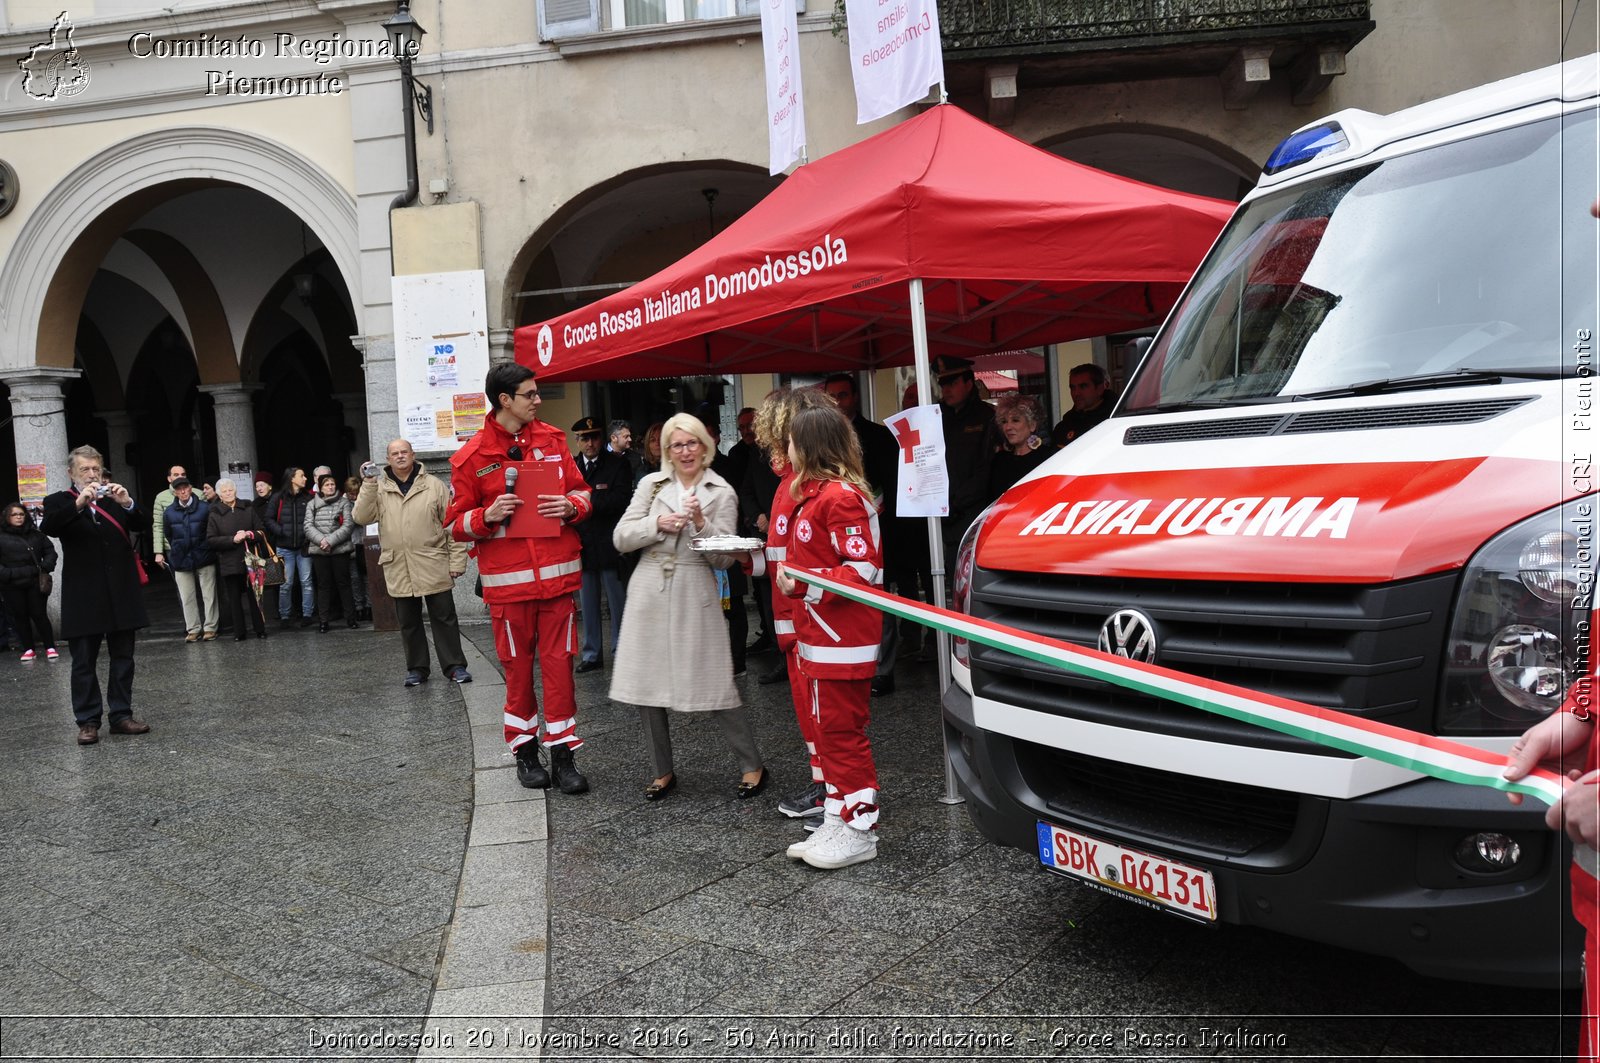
(841, 848)
(798, 850)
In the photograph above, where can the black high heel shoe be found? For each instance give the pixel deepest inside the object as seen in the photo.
(747, 790)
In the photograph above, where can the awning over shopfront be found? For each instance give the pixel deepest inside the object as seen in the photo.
(1015, 247)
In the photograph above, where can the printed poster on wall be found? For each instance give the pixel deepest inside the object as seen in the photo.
(30, 485)
(923, 486)
(441, 355)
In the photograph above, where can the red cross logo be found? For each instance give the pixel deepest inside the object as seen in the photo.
(907, 437)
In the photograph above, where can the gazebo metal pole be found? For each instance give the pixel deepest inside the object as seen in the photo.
(919, 344)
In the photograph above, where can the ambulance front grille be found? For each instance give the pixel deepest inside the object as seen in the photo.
(1181, 813)
(1371, 650)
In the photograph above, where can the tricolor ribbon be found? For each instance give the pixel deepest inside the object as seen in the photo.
(1422, 753)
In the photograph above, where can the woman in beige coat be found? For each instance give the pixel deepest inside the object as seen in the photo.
(674, 591)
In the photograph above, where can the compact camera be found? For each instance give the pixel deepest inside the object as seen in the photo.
(101, 490)
(371, 470)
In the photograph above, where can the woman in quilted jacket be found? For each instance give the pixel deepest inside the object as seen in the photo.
(328, 528)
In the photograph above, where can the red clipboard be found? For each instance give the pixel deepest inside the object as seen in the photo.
(535, 478)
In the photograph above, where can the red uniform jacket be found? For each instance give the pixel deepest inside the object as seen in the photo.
(783, 504)
(515, 569)
(834, 531)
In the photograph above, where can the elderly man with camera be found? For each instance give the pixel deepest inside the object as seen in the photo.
(102, 598)
(420, 561)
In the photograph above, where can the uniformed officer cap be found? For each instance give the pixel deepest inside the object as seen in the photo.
(587, 426)
(947, 367)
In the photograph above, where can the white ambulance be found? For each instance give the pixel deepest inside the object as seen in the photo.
(1353, 469)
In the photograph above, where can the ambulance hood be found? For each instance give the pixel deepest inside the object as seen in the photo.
(1181, 495)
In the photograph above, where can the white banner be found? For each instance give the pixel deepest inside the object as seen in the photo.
(895, 53)
(786, 110)
(923, 489)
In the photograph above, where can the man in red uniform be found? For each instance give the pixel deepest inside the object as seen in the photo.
(528, 582)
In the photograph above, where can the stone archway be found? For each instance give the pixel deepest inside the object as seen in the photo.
(1158, 155)
(48, 271)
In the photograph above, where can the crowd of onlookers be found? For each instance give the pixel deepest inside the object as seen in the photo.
(211, 535)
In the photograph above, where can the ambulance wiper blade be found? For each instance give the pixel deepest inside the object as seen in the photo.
(1425, 381)
(1184, 407)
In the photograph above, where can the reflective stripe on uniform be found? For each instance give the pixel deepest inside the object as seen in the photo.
(1587, 859)
(777, 553)
(517, 723)
(823, 624)
(813, 594)
(528, 575)
(758, 563)
(867, 571)
(839, 654)
(783, 627)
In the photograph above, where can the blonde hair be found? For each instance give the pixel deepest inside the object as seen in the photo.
(1014, 402)
(686, 422)
(778, 410)
(825, 448)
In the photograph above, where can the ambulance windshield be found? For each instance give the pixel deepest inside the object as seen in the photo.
(1459, 263)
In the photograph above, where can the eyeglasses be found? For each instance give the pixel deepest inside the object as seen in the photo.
(693, 444)
(528, 394)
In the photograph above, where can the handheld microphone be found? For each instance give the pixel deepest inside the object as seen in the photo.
(511, 489)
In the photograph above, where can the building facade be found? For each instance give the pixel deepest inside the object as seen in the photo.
(200, 222)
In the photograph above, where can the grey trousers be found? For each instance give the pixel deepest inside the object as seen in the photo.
(736, 728)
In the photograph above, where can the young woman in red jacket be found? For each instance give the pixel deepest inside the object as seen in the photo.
(834, 531)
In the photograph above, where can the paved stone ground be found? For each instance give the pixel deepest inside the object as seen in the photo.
(285, 843)
(680, 929)
(285, 864)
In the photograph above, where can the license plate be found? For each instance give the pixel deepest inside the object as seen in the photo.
(1153, 881)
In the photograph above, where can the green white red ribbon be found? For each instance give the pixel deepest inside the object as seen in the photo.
(1422, 753)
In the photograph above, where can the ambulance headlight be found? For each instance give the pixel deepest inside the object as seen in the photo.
(961, 583)
(1519, 636)
(1550, 566)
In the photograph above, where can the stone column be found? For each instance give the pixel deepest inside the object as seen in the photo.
(119, 437)
(383, 403)
(39, 429)
(234, 411)
(353, 405)
(39, 420)
(502, 346)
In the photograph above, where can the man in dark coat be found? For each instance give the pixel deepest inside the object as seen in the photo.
(102, 597)
(610, 479)
(970, 439)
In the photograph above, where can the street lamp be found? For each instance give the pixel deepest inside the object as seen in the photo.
(405, 41)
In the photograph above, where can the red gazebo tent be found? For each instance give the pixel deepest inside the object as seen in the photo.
(1013, 246)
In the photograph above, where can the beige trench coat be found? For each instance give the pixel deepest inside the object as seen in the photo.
(673, 650)
(417, 554)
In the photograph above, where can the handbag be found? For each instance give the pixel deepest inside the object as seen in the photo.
(46, 582)
(272, 566)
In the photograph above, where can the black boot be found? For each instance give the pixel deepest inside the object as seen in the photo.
(565, 772)
(530, 769)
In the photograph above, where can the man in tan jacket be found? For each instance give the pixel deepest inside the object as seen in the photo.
(420, 561)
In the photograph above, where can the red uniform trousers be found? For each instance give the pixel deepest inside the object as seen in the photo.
(544, 627)
(1586, 909)
(841, 711)
(804, 712)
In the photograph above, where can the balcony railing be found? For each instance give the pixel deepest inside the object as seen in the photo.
(1073, 25)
